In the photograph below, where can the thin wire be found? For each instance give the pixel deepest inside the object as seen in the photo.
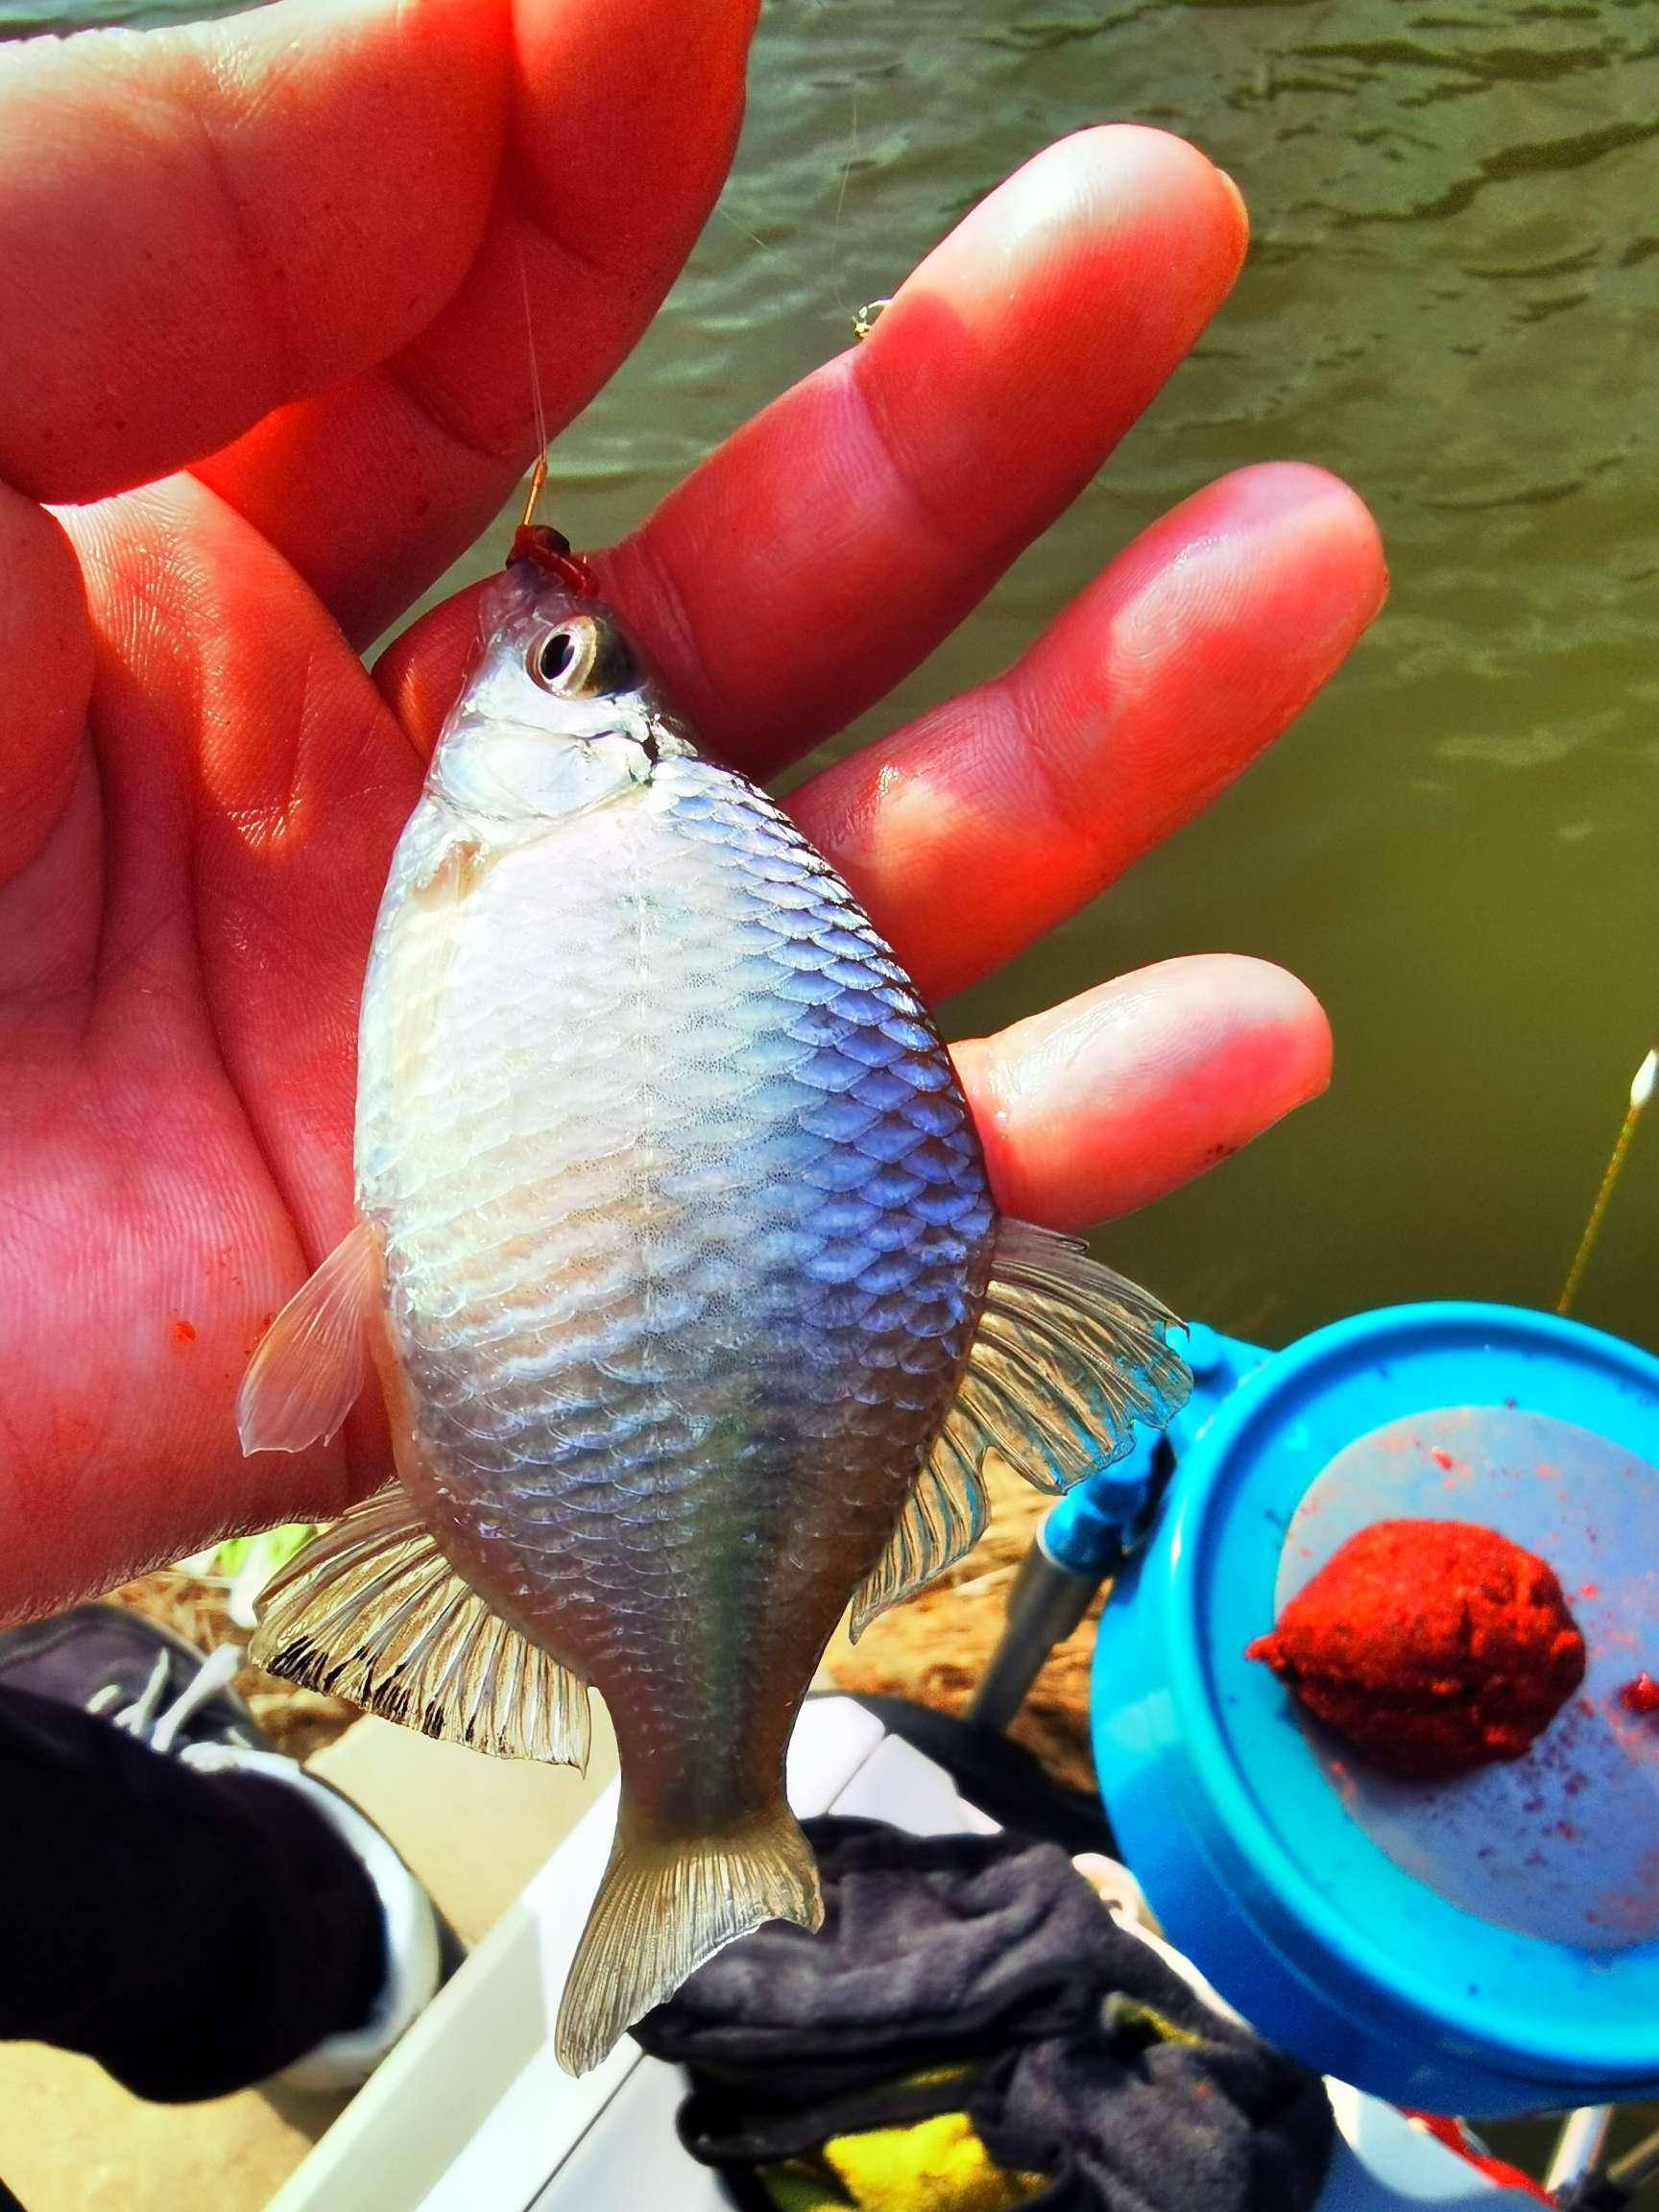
(841, 196)
(1626, 2174)
(1641, 1090)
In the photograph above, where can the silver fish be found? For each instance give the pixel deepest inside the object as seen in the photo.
(676, 1257)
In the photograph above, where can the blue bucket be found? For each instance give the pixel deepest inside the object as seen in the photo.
(1488, 1945)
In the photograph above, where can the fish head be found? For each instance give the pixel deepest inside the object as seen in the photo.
(561, 711)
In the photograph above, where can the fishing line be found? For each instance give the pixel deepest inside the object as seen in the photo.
(742, 228)
(841, 195)
(1641, 1090)
(539, 473)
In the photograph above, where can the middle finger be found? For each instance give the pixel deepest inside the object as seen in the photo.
(823, 552)
(826, 550)
(1156, 687)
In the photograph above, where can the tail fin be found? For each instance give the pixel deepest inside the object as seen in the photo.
(666, 1906)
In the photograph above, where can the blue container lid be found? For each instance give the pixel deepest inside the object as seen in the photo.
(1375, 1896)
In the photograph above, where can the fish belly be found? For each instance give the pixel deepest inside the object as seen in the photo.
(686, 1234)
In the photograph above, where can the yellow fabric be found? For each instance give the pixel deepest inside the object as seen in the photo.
(934, 2165)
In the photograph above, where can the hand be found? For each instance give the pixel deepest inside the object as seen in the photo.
(262, 337)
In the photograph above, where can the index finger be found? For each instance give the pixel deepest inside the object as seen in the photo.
(196, 223)
(201, 226)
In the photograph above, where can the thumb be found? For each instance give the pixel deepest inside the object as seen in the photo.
(46, 676)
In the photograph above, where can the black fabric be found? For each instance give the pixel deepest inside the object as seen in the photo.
(1001, 1777)
(193, 1933)
(1221, 2126)
(1089, 2058)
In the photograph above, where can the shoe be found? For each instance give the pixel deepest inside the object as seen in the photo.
(141, 1678)
(156, 1686)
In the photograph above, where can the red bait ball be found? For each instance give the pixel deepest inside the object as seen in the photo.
(1432, 1647)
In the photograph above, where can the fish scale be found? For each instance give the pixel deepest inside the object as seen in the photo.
(673, 1249)
(670, 1431)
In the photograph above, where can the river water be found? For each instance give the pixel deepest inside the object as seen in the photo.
(1452, 298)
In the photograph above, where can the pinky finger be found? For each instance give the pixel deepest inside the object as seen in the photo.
(1117, 1096)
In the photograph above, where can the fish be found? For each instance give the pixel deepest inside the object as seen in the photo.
(677, 1262)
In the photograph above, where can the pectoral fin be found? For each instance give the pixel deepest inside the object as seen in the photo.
(305, 1376)
(371, 1610)
(1066, 1359)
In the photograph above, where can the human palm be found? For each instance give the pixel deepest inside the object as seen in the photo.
(262, 344)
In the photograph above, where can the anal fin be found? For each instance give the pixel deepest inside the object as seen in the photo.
(373, 1611)
(1067, 1360)
(944, 1517)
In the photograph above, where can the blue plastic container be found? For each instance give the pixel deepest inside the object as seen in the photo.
(1390, 1938)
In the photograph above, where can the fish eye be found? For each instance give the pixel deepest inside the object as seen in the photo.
(561, 660)
(581, 658)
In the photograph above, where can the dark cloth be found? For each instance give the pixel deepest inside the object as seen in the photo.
(193, 1933)
(1001, 1777)
(1089, 2058)
(1223, 2125)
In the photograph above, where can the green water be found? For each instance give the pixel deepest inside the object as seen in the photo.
(1453, 299)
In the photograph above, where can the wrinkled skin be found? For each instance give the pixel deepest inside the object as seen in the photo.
(261, 330)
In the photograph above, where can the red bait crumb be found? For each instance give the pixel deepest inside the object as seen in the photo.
(182, 1332)
(1641, 1695)
(549, 550)
(1441, 1459)
(1432, 1647)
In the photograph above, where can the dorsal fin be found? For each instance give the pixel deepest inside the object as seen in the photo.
(371, 1610)
(1066, 1359)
